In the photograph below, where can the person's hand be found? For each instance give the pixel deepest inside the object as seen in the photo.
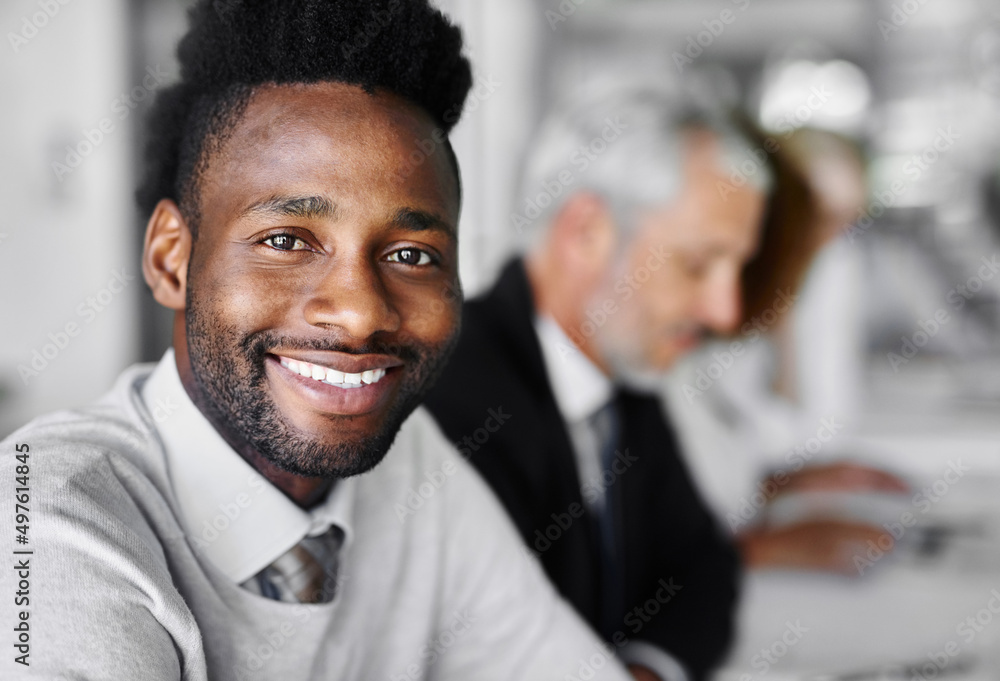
(825, 545)
(642, 673)
(839, 477)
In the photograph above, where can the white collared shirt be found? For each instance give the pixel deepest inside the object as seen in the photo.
(580, 390)
(239, 520)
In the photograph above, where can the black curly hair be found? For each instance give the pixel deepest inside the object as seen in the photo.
(233, 46)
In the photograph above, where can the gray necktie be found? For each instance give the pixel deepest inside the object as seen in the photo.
(306, 573)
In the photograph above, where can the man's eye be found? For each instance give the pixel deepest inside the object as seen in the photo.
(286, 242)
(410, 256)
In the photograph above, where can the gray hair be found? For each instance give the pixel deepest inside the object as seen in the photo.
(624, 144)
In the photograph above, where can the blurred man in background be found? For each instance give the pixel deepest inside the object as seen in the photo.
(634, 255)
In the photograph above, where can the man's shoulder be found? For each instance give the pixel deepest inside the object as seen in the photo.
(422, 469)
(420, 445)
(113, 436)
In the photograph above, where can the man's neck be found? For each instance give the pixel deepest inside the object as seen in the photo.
(566, 311)
(304, 491)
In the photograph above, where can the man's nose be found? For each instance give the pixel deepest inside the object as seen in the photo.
(352, 297)
(721, 303)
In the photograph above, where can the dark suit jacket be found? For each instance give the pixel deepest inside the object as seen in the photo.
(494, 401)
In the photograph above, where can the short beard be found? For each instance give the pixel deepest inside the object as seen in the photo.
(230, 374)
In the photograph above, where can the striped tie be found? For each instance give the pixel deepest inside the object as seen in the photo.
(306, 573)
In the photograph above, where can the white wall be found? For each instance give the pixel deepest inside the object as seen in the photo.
(504, 40)
(62, 240)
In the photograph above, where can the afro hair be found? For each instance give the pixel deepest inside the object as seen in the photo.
(405, 47)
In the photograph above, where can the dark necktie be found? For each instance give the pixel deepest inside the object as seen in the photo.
(606, 423)
(306, 573)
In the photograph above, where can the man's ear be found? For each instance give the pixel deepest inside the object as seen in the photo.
(165, 255)
(583, 232)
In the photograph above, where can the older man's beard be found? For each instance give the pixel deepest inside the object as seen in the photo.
(229, 370)
(620, 344)
(627, 367)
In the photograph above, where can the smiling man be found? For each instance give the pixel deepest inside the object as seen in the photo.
(231, 513)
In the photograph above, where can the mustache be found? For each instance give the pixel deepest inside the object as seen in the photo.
(256, 345)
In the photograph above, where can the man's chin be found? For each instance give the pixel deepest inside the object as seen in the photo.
(312, 459)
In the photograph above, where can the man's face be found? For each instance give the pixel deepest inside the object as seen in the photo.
(320, 299)
(679, 276)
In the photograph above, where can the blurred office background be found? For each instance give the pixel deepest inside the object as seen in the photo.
(915, 82)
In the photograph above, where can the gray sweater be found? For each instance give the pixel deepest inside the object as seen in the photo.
(114, 588)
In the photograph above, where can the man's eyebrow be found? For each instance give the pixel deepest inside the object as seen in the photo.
(419, 221)
(320, 207)
(310, 207)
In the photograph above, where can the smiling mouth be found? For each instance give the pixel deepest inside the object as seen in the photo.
(330, 376)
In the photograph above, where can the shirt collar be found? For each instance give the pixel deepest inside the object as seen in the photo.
(579, 387)
(239, 520)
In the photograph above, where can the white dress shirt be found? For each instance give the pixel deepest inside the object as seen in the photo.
(240, 521)
(581, 389)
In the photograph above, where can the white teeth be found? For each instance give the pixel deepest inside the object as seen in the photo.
(332, 376)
